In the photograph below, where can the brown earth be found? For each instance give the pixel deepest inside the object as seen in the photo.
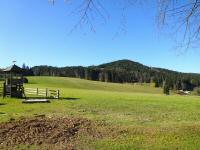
(52, 132)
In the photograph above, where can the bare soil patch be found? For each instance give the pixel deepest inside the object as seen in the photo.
(60, 132)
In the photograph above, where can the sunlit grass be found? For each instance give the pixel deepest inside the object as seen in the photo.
(135, 117)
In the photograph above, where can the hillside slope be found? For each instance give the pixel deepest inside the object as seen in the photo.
(124, 71)
(74, 83)
(120, 120)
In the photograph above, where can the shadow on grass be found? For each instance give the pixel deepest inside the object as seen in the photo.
(2, 113)
(61, 98)
(69, 98)
(2, 104)
(36, 98)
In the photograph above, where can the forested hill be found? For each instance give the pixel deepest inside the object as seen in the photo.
(123, 71)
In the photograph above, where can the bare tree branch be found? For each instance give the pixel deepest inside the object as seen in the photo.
(183, 16)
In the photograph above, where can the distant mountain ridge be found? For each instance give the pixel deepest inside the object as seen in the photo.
(124, 71)
(124, 64)
(128, 65)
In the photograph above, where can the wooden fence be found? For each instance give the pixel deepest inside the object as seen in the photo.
(30, 92)
(1, 90)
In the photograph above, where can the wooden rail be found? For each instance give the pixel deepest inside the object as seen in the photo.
(1, 91)
(42, 93)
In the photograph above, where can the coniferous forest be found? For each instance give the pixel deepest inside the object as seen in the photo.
(122, 71)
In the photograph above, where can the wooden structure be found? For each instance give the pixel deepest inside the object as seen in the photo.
(1, 71)
(1, 90)
(43, 93)
(1, 83)
(13, 85)
(36, 101)
(181, 92)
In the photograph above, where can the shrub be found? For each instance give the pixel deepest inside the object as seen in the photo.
(156, 84)
(166, 89)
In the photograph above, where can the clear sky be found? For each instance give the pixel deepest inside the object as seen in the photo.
(36, 33)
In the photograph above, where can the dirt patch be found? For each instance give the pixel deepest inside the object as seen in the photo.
(61, 132)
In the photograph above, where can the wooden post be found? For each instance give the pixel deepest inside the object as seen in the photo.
(4, 90)
(37, 91)
(46, 92)
(10, 84)
(58, 92)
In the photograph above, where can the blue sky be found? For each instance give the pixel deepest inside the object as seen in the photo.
(36, 33)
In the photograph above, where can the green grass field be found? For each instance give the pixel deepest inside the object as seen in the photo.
(133, 116)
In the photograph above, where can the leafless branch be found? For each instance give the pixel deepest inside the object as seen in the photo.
(184, 16)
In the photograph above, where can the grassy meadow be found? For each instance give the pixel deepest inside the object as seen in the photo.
(131, 116)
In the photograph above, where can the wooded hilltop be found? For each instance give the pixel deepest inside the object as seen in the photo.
(122, 71)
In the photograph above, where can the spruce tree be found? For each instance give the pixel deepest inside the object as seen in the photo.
(166, 89)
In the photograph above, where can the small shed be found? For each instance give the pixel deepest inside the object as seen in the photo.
(13, 86)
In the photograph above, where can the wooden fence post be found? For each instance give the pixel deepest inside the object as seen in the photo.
(37, 91)
(4, 90)
(46, 92)
(58, 94)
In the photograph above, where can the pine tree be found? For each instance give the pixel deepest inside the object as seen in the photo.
(166, 89)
